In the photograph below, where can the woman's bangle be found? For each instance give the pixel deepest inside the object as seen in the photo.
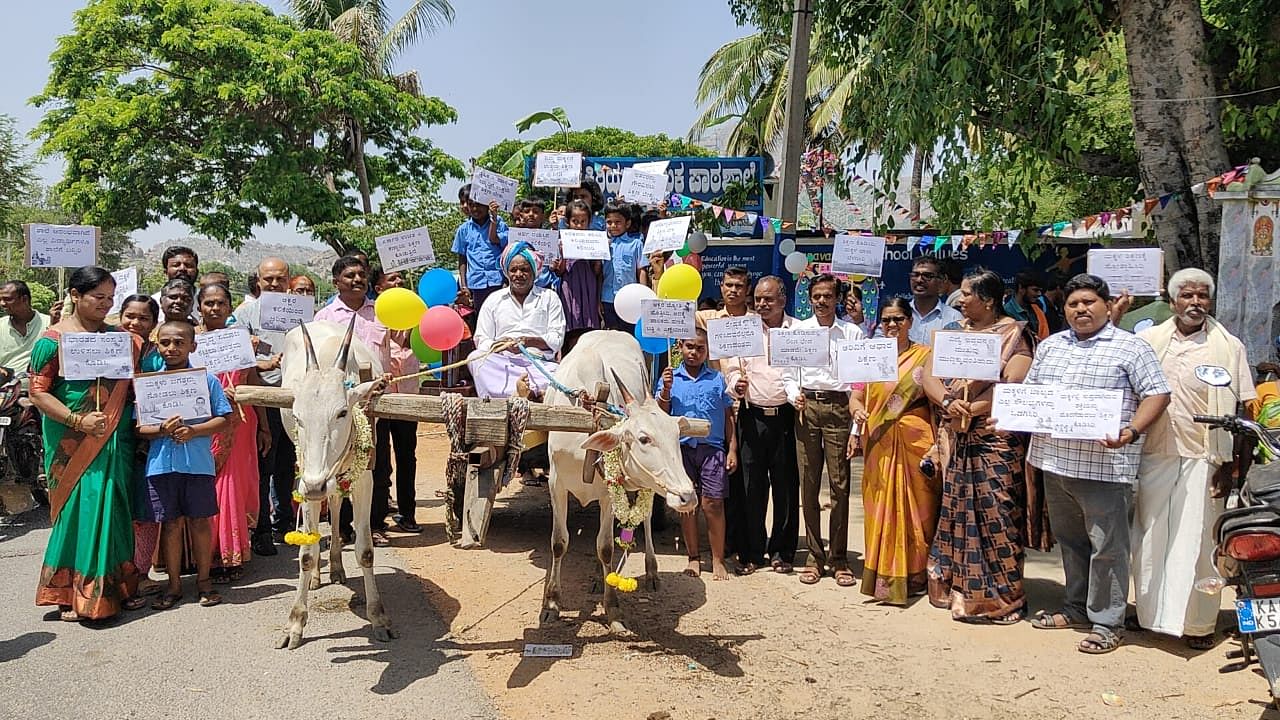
(73, 421)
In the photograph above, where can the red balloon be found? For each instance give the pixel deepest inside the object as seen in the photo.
(441, 328)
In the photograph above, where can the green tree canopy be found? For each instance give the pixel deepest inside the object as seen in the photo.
(223, 116)
(595, 142)
(17, 180)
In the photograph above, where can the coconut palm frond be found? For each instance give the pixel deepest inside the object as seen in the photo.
(422, 18)
(312, 14)
(832, 88)
(358, 26)
(732, 78)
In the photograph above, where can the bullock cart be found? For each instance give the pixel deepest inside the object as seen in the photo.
(484, 447)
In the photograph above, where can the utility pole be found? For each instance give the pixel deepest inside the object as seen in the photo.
(794, 128)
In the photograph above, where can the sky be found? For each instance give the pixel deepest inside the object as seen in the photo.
(632, 65)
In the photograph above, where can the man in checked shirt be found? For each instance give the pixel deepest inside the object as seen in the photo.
(1089, 484)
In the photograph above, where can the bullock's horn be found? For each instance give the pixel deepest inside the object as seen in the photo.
(627, 397)
(345, 350)
(312, 362)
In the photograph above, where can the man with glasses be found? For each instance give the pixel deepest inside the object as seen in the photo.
(767, 444)
(928, 312)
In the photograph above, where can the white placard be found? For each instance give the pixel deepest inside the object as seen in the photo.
(969, 356)
(1025, 408)
(224, 350)
(405, 250)
(736, 337)
(584, 244)
(89, 356)
(800, 347)
(547, 651)
(642, 187)
(865, 361)
(1140, 271)
(667, 234)
(126, 285)
(1087, 414)
(657, 167)
(669, 318)
(182, 393)
(557, 169)
(858, 255)
(546, 242)
(65, 246)
(283, 312)
(490, 186)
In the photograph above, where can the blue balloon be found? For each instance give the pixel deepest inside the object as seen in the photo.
(438, 287)
(653, 346)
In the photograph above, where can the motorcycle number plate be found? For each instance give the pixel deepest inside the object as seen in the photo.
(1258, 615)
(5, 420)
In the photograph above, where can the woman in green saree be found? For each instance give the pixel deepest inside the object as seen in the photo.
(88, 567)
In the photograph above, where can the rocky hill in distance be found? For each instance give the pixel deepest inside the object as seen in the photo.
(317, 260)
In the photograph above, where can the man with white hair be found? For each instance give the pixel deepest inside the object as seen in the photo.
(1187, 469)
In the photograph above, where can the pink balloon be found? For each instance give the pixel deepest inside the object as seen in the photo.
(441, 328)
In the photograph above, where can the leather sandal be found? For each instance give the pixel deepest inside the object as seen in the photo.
(810, 575)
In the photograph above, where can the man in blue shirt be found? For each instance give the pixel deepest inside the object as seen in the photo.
(928, 311)
(694, 390)
(478, 243)
(626, 258)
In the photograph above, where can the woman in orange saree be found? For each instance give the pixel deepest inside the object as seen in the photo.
(900, 502)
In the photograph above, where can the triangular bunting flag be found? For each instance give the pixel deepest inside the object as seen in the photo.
(751, 219)
(1164, 200)
(1213, 186)
(715, 210)
(788, 225)
(1104, 218)
(1013, 236)
(776, 223)
(955, 242)
(1043, 229)
(1150, 203)
(912, 241)
(1059, 226)
(939, 241)
(1089, 222)
(764, 222)
(1197, 188)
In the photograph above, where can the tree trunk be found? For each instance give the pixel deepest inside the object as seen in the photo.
(362, 172)
(1179, 143)
(917, 181)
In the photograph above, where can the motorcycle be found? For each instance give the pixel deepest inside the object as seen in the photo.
(22, 479)
(1247, 535)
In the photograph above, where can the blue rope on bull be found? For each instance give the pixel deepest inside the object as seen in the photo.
(575, 394)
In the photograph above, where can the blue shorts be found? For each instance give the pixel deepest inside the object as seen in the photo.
(170, 496)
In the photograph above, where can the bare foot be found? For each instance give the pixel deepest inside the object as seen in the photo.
(694, 568)
(718, 570)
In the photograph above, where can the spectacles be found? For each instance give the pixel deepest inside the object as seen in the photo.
(767, 298)
(924, 275)
(893, 320)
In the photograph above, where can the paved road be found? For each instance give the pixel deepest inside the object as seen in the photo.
(220, 661)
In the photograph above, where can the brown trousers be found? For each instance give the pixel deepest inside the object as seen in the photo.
(822, 434)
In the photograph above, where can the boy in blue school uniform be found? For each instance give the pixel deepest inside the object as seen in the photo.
(694, 390)
(626, 258)
(180, 473)
(478, 243)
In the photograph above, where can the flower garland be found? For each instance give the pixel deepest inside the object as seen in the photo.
(629, 516)
(354, 462)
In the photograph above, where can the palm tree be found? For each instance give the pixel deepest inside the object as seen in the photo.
(367, 25)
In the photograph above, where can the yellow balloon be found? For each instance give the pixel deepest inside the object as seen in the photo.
(399, 308)
(857, 278)
(680, 282)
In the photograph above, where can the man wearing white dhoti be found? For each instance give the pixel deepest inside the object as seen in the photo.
(1187, 469)
(521, 311)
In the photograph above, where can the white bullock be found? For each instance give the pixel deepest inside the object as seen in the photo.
(321, 365)
(649, 440)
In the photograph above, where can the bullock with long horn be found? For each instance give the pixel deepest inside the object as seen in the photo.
(334, 440)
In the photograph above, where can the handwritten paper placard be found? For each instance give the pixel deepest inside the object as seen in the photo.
(546, 242)
(126, 285)
(224, 350)
(89, 356)
(668, 318)
(864, 361)
(584, 244)
(656, 167)
(970, 356)
(1140, 271)
(1087, 414)
(66, 246)
(490, 186)
(668, 234)
(283, 312)
(642, 187)
(735, 337)
(800, 347)
(405, 250)
(858, 255)
(557, 169)
(162, 395)
(1025, 408)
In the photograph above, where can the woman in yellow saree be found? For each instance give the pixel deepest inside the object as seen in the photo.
(895, 425)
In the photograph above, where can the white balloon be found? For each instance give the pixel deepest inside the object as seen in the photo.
(786, 247)
(796, 262)
(697, 242)
(627, 302)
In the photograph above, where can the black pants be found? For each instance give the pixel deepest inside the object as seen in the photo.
(276, 477)
(402, 437)
(767, 447)
(735, 509)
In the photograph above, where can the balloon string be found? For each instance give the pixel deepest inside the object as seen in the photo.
(496, 348)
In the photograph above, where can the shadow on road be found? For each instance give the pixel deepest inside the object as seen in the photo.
(23, 644)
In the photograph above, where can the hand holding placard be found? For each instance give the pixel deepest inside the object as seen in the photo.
(863, 361)
(1024, 408)
(178, 393)
(93, 355)
(967, 355)
(224, 350)
(858, 255)
(800, 347)
(490, 186)
(283, 312)
(584, 244)
(668, 318)
(668, 234)
(546, 242)
(1140, 271)
(557, 169)
(741, 336)
(61, 246)
(405, 250)
(642, 187)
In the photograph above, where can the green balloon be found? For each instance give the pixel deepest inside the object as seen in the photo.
(684, 251)
(425, 353)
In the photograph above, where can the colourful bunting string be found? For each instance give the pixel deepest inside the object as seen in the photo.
(912, 241)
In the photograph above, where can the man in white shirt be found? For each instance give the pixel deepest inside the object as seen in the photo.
(521, 311)
(822, 431)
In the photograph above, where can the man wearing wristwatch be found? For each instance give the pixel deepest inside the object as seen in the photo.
(1089, 483)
